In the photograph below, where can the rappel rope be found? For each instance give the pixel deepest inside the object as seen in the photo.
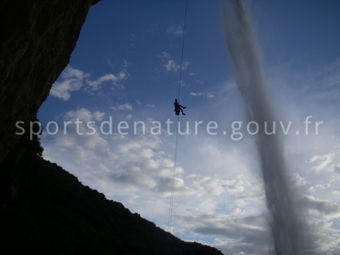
(179, 86)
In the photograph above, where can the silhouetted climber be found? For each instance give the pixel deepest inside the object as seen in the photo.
(178, 108)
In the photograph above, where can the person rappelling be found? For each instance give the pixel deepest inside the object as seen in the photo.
(178, 108)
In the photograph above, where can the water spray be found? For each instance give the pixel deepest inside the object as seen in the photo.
(289, 230)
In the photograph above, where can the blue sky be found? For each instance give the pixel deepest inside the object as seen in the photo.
(126, 65)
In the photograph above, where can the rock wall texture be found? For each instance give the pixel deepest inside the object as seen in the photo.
(37, 38)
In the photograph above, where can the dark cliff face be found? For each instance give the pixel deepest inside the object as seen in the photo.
(37, 38)
(44, 209)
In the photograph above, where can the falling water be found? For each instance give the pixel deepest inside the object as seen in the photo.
(289, 231)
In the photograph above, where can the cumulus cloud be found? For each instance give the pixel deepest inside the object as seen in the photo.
(319, 187)
(208, 95)
(132, 163)
(320, 162)
(297, 180)
(245, 235)
(123, 107)
(170, 64)
(84, 115)
(73, 79)
(251, 235)
(138, 172)
(138, 161)
(320, 206)
(175, 30)
(113, 79)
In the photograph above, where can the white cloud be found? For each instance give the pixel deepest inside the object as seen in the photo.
(208, 95)
(245, 235)
(138, 171)
(175, 29)
(133, 163)
(320, 206)
(123, 107)
(196, 94)
(113, 79)
(297, 180)
(320, 162)
(84, 115)
(170, 64)
(73, 79)
(319, 187)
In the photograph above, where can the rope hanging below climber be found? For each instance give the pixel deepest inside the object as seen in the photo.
(178, 109)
